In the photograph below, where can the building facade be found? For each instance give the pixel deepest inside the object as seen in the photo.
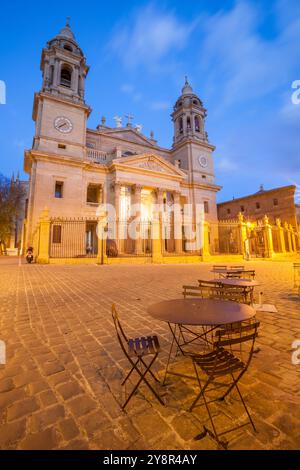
(278, 203)
(73, 169)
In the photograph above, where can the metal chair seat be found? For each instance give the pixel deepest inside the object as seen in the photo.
(143, 346)
(219, 362)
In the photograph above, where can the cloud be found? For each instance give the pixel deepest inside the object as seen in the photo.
(245, 64)
(130, 90)
(226, 165)
(149, 36)
(160, 105)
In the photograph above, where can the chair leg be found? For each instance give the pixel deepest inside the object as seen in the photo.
(150, 371)
(143, 378)
(202, 389)
(206, 431)
(244, 404)
(170, 353)
(130, 372)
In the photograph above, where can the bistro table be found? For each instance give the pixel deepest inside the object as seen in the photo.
(183, 314)
(238, 283)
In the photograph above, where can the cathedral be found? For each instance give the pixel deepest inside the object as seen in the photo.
(73, 168)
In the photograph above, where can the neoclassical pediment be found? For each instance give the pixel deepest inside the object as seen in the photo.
(148, 163)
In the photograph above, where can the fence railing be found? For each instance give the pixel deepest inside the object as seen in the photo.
(73, 238)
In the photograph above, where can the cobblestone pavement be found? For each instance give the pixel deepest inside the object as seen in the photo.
(61, 386)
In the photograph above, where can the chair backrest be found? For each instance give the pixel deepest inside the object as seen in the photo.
(219, 266)
(240, 268)
(122, 338)
(239, 294)
(236, 333)
(208, 290)
(248, 273)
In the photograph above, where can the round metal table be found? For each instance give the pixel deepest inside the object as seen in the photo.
(182, 314)
(201, 312)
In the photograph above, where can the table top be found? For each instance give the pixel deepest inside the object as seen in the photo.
(200, 311)
(237, 282)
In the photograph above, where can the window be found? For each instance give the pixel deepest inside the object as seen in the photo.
(56, 234)
(68, 48)
(275, 202)
(93, 194)
(257, 205)
(62, 146)
(206, 207)
(188, 122)
(228, 211)
(242, 209)
(204, 177)
(197, 124)
(66, 77)
(59, 189)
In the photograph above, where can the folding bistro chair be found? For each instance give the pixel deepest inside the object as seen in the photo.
(225, 362)
(219, 266)
(136, 350)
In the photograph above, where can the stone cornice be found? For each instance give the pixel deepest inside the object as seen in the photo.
(192, 141)
(43, 95)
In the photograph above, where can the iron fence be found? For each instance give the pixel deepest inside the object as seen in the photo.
(73, 238)
(125, 238)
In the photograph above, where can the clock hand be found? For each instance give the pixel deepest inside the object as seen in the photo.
(62, 125)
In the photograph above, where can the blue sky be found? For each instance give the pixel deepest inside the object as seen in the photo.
(241, 58)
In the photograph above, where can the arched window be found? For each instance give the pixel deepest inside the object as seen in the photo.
(188, 122)
(66, 76)
(197, 124)
(68, 48)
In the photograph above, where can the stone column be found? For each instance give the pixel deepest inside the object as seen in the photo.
(117, 191)
(289, 240)
(56, 72)
(206, 247)
(102, 236)
(269, 251)
(75, 84)
(46, 74)
(243, 234)
(44, 237)
(157, 229)
(138, 248)
(177, 222)
(293, 239)
(281, 239)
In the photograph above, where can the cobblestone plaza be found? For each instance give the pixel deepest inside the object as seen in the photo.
(61, 385)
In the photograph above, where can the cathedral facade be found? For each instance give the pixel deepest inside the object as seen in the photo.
(74, 169)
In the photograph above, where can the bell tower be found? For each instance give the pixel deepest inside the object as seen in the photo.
(59, 109)
(63, 67)
(189, 117)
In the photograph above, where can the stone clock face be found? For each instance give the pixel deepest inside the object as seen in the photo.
(63, 124)
(203, 161)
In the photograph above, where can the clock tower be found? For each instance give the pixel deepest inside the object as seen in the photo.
(59, 110)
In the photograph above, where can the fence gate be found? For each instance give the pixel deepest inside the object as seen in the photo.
(257, 243)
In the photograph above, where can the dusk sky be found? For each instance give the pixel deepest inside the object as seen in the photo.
(241, 58)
